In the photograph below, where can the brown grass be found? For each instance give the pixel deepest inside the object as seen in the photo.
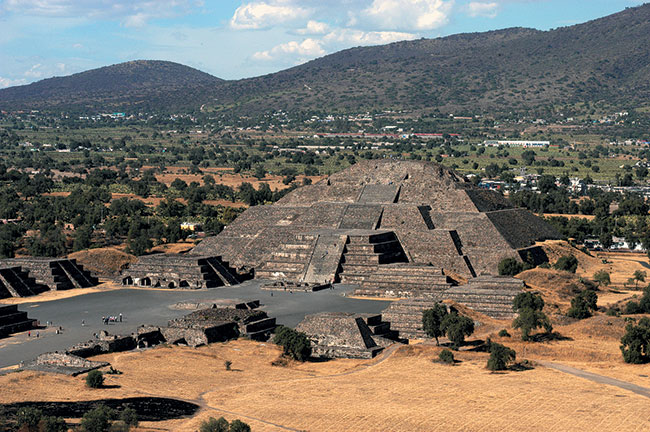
(103, 262)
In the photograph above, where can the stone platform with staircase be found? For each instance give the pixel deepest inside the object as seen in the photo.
(180, 271)
(16, 282)
(14, 321)
(55, 273)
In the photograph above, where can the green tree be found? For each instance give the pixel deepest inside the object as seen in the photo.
(94, 379)
(29, 418)
(639, 276)
(583, 304)
(446, 356)
(239, 426)
(432, 320)
(457, 327)
(295, 344)
(214, 425)
(500, 357)
(530, 315)
(98, 419)
(636, 342)
(129, 416)
(567, 263)
(602, 277)
(510, 267)
(54, 424)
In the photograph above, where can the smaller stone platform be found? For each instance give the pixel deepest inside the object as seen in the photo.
(55, 273)
(402, 281)
(347, 335)
(180, 271)
(15, 282)
(64, 363)
(13, 321)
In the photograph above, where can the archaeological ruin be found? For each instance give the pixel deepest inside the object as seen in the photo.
(14, 321)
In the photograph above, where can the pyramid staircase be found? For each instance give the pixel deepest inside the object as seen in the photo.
(290, 261)
(15, 282)
(13, 321)
(57, 274)
(405, 316)
(403, 281)
(365, 253)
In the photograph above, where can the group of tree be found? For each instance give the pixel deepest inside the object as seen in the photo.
(295, 344)
(99, 419)
(222, 425)
(530, 316)
(635, 343)
(438, 322)
(583, 305)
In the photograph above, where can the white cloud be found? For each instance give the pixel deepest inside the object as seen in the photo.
(8, 82)
(307, 48)
(359, 37)
(35, 71)
(314, 28)
(489, 10)
(130, 12)
(409, 14)
(257, 15)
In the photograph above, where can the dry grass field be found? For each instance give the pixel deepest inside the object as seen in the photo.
(401, 391)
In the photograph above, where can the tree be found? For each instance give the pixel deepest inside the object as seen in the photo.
(54, 424)
(529, 307)
(214, 425)
(639, 276)
(296, 344)
(583, 305)
(567, 263)
(446, 356)
(636, 342)
(130, 417)
(432, 320)
(510, 267)
(29, 418)
(457, 327)
(94, 379)
(97, 419)
(602, 277)
(239, 426)
(500, 357)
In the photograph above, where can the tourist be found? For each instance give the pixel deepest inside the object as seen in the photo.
(29, 334)
(120, 317)
(83, 323)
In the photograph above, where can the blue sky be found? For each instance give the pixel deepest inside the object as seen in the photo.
(238, 39)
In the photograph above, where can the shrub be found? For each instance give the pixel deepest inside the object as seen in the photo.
(583, 305)
(602, 277)
(227, 364)
(295, 344)
(500, 357)
(94, 379)
(29, 418)
(457, 327)
(54, 424)
(633, 308)
(567, 263)
(239, 426)
(510, 267)
(130, 417)
(97, 419)
(504, 333)
(221, 425)
(446, 356)
(529, 307)
(432, 319)
(636, 342)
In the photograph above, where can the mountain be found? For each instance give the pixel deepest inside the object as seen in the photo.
(141, 84)
(607, 59)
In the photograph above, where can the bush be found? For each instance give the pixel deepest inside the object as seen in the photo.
(567, 263)
(432, 319)
(633, 308)
(529, 307)
(446, 356)
(29, 418)
(636, 342)
(457, 327)
(221, 425)
(95, 379)
(602, 277)
(510, 267)
(504, 333)
(227, 364)
(296, 344)
(500, 357)
(54, 424)
(97, 419)
(583, 305)
(130, 417)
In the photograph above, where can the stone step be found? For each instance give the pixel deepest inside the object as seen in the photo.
(13, 318)
(373, 247)
(283, 266)
(276, 274)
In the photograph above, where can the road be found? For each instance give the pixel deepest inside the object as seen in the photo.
(142, 306)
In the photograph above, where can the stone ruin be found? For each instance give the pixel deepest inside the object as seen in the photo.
(14, 321)
(23, 277)
(63, 363)
(180, 271)
(376, 213)
(347, 335)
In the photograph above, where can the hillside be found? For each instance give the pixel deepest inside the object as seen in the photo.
(506, 69)
(142, 84)
(607, 59)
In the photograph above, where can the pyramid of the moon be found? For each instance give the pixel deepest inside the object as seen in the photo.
(385, 218)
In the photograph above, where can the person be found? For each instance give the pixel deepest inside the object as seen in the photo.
(29, 334)
(83, 323)
(37, 334)
(120, 317)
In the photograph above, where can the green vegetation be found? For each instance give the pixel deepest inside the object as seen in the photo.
(635, 344)
(222, 425)
(500, 357)
(567, 263)
(510, 267)
(504, 333)
(98, 419)
(457, 328)
(583, 305)
(529, 307)
(602, 277)
(95, 379)
(295, 344)
(432, 321)
(446, 356)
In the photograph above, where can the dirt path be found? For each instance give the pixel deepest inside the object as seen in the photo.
(601, 379)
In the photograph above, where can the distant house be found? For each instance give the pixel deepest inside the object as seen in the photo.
(510, 143)
(190, 226)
